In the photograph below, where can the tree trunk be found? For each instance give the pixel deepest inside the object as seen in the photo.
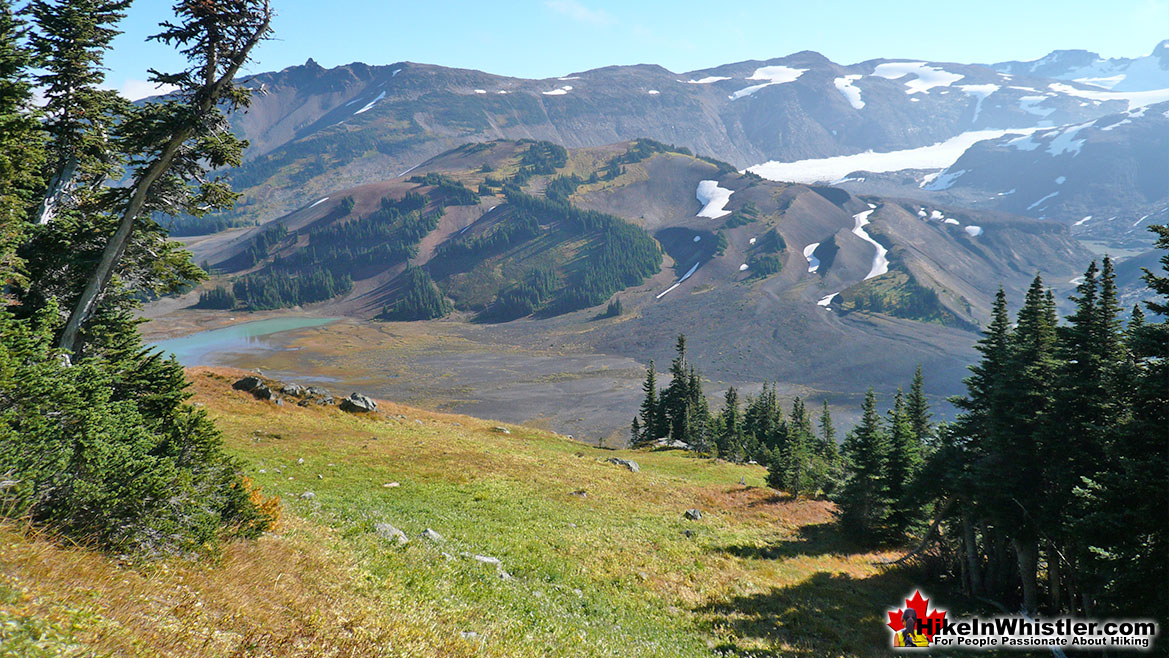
(1053, 577)
(1027, 552)
(973, 565)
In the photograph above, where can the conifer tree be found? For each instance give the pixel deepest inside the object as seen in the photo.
(904, 463)
(650, 409)
(918, 409)
(864, 501)
(730, 437)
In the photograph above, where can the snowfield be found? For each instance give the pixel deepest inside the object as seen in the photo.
(973, 231)
(980, 92)
(707, 80)
(826, 300)
(559, 91)
(713, 198)
(927, 77)
(1135, 99)
(935, 156)
(942, 181)
(813, 262)
(851, 93)
(880, 259)
(774, 75)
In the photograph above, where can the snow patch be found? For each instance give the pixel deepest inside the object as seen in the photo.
(697, 238)
(319, 202)
(743, 267)
(950, 220)
(1049, 196)
(774, 75)
(480, 91)
(1134, 99)
(980, 92)
(751, 241)
(559, 91)
(973, 231)
(713, 198)
(369, 106)
(927, 77)
(679, 281)
(935, 156)
(851, 93)
(707, 80)
(813, 262)
(1084, 220)
(395, 72)
(1030, 105)
(1061, 180)
(653, 92)
(826, 300)
(942, 181)
(880, 261)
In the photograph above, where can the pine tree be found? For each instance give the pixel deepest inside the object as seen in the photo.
(918, 408)
(730, 437)
(864, 501)
(21, 143)
(904, 462)
(650, 409)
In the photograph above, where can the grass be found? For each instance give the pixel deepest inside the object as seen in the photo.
(617, 571)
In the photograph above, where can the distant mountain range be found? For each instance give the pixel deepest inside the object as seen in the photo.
(314, 130)
(1118, 74)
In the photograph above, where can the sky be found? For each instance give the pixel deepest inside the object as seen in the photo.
(550, 38)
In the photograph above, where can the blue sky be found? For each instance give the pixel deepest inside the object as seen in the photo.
(547, 38)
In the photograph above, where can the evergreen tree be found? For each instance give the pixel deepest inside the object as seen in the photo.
(904, 463)
(865, 503)
(918, 408)
(730, 437)
(651, 429)
(21, 143)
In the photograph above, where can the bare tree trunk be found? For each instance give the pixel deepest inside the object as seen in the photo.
(59, 186)
(973, 564)
(1027, 554)
(1053, 577)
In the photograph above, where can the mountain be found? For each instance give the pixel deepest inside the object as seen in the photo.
(1118, 74)
(817, 285)
(1104, 178)
(313, 129)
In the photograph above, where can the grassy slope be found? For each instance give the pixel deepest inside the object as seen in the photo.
(611, 573)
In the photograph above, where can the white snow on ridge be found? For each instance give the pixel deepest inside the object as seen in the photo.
(559, 91)
(707, 80)
(319, 202)
(713, 198)
(369, 106)
(880, 261)
(813, 262)
(927, 78)
(850, 92)
(774, 75)
(1135, 99)
(935, 156)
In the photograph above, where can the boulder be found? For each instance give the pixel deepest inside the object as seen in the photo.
(262, 392)
(672, 444)
(248, 384)
(693, 514)
(390, 533)
(295, 390)
(358, 403)
(326, 401)
(308, 495)
(631, 465)
(313, 391)
(501, 430)
(433, 536)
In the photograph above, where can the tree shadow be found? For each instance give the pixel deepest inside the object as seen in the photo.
(828, 614)
(810, 540)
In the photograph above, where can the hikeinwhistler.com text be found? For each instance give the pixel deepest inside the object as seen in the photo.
(1013, 631)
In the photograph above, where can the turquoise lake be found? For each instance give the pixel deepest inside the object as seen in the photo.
(200, 349)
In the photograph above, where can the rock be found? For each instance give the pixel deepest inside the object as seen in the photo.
(631, 465)
(693, 514)
(672, 444)
(433, 536)
(487, 559)
(688, 533)
(641, 575)
(295, 390)
(313, 391)
(753, 462)
(578, 592)
(742, 481)
(390, 533)
(300, 461)
(279, 402)
(391, 485)
(325, 402)
(501, 430)
(308, 495)
(248, 384)
(358, 403)
(418, 422)
(303, 403)
(262, 392)
(469, 635)
(579, 492)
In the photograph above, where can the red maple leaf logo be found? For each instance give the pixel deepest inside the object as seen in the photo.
(931, 622)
